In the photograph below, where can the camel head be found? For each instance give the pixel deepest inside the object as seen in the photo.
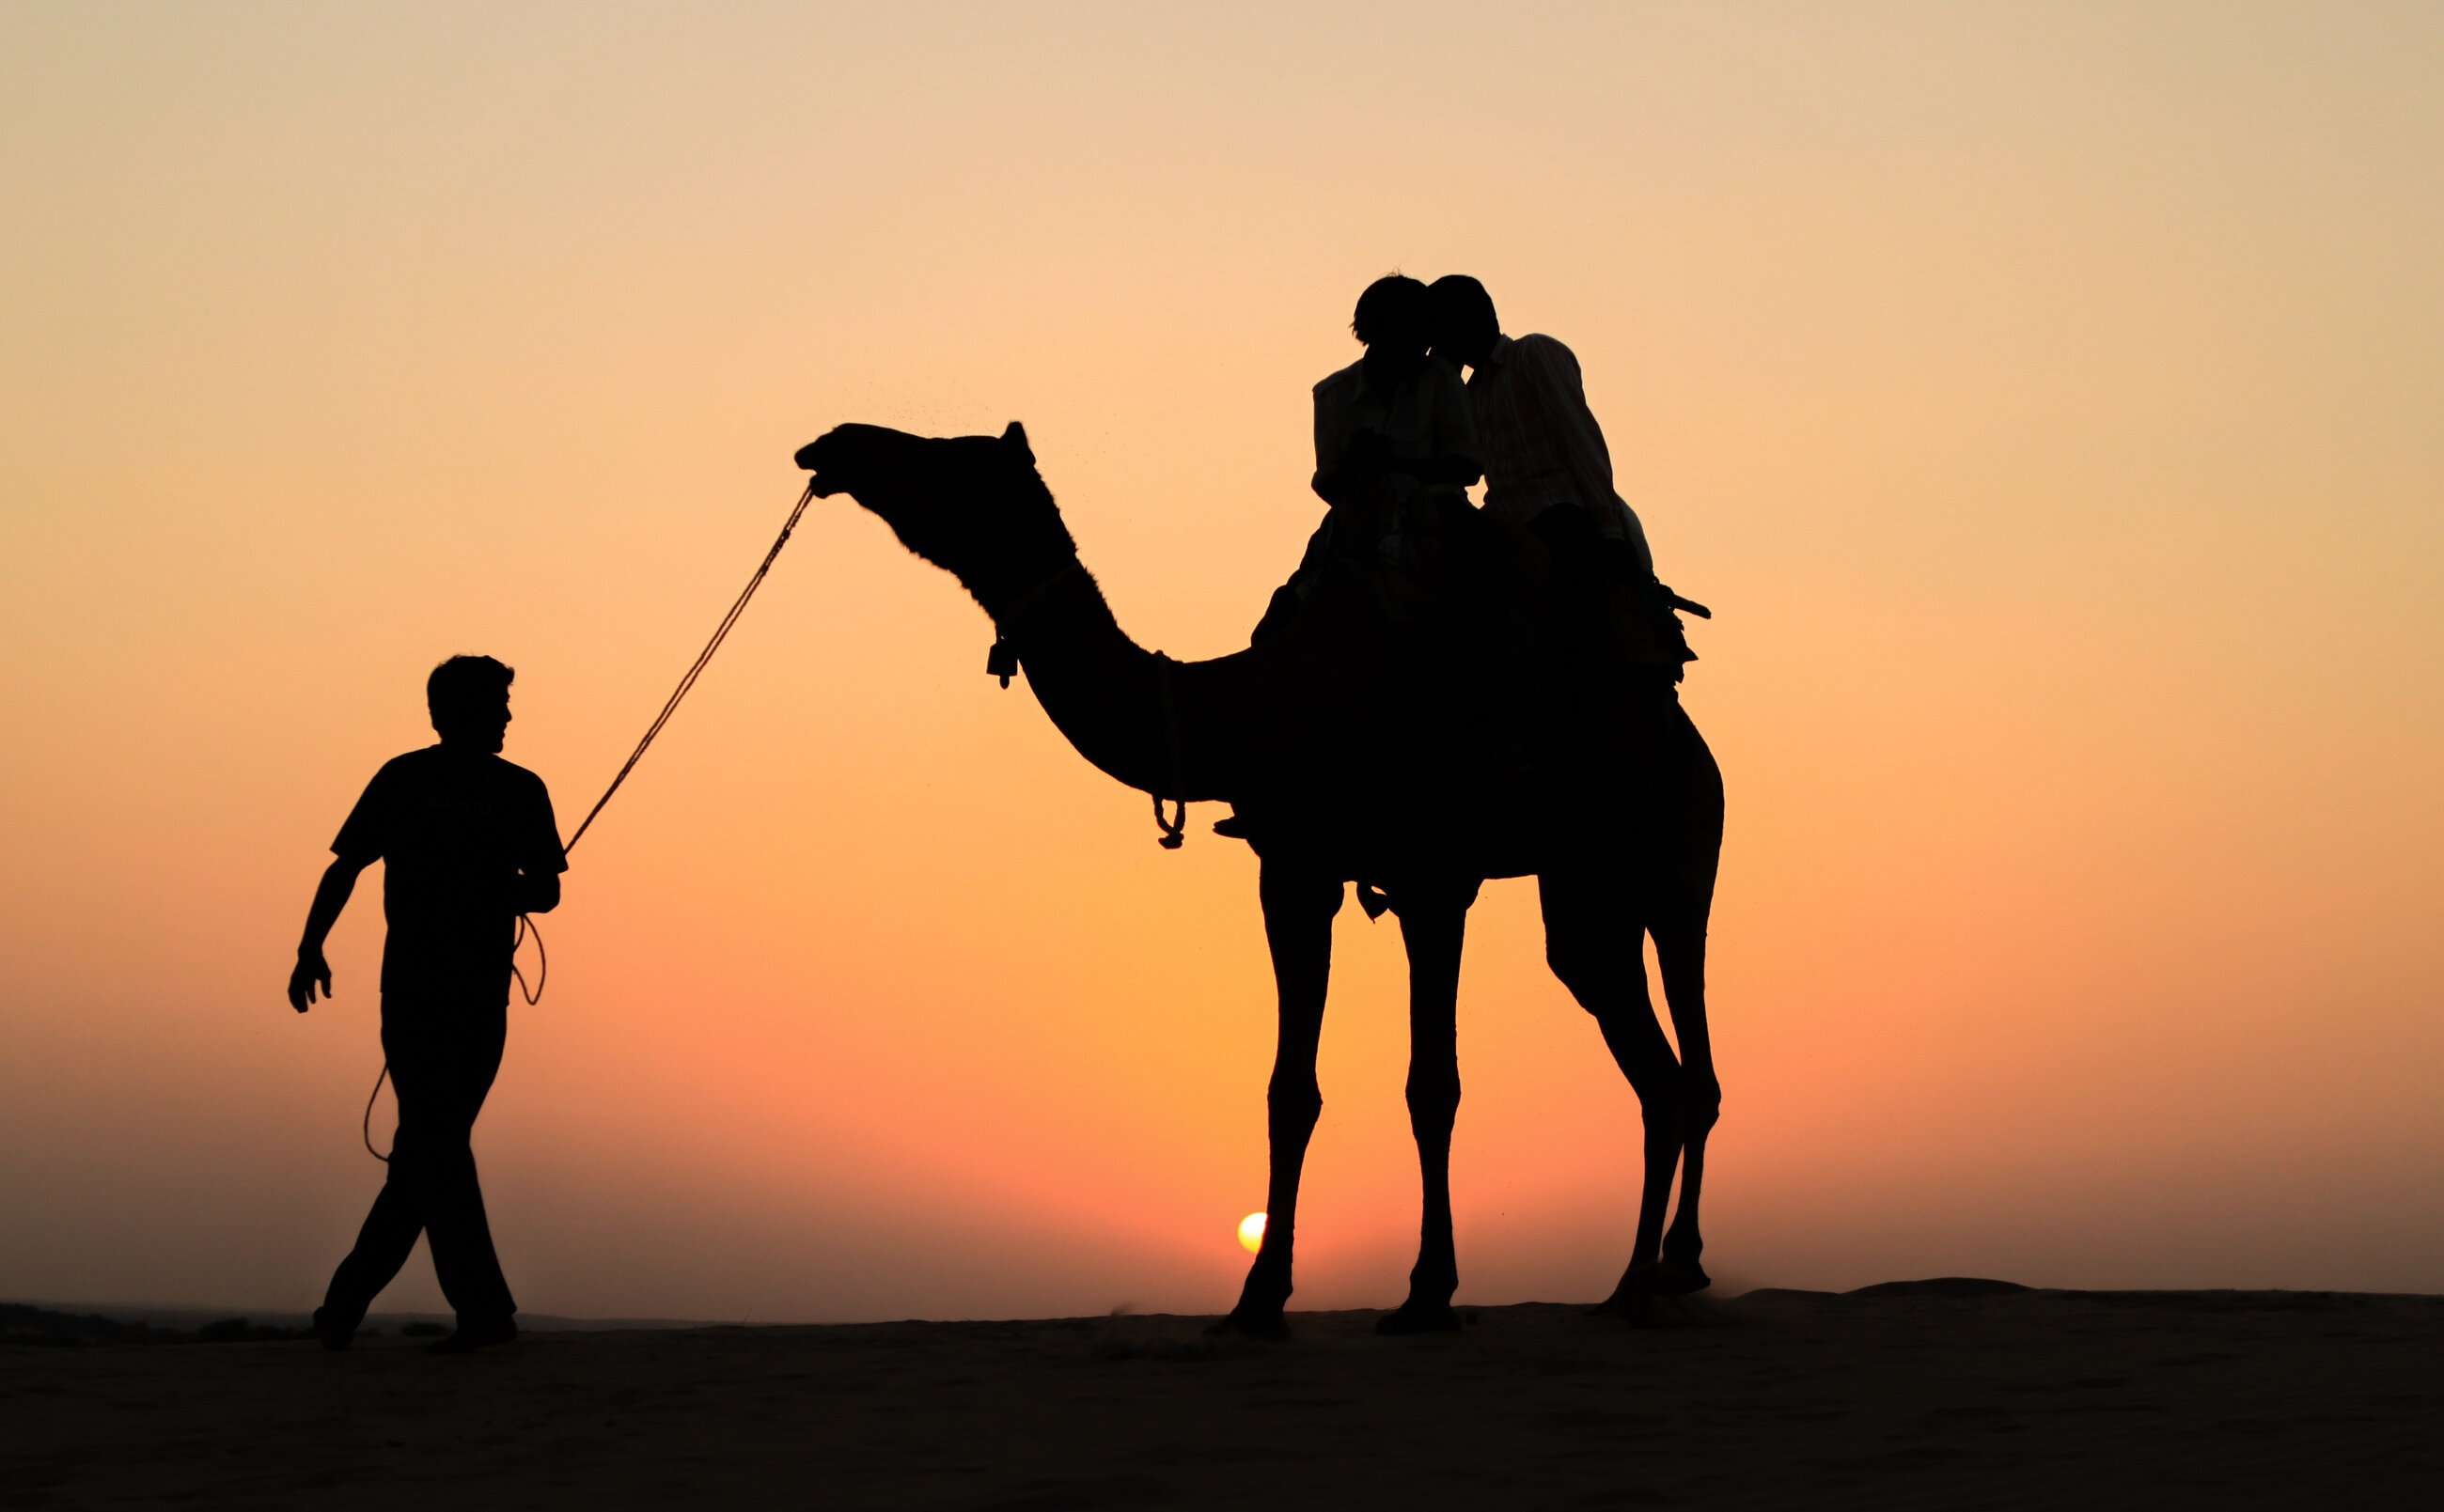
(972, 505)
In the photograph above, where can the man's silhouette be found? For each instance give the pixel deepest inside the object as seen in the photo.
(1395, 451)
(1395, 418)
(468, 842)
(1546, 468)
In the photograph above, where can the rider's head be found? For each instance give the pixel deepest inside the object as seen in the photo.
(1465, 327)
(469, 697)
(1391, 317)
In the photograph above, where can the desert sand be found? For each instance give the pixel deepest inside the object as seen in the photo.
(1919, 1395)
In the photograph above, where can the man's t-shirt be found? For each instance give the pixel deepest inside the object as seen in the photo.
(452, 829)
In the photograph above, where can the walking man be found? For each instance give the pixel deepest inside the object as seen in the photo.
(468, 842)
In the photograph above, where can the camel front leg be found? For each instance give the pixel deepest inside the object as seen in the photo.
(1433, 923)
(1299, 906)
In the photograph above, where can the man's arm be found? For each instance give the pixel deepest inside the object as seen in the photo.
(330, 897)
(537, 891)
(544, 858)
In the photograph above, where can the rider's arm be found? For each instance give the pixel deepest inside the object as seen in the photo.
(1551, 371)
(1444, 467)
(1331, 443)
(1456, 456)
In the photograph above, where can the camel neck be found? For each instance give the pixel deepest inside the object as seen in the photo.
(1177, 729)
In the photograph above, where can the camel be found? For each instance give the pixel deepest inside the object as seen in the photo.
(1622, 832)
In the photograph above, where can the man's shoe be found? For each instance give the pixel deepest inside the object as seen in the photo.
(336, 1326)
(473, 1334)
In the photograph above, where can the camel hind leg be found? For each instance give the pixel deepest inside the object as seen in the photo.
(1594, 942)
(1681, 954)
(1677, 917)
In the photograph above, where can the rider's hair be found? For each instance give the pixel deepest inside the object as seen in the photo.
(1459, 300)
(1393, 309)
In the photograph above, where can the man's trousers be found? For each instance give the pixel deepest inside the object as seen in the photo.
(443, 1056)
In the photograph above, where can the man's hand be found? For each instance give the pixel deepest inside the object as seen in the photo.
(330, 897)
(537, 891)
(311, 969)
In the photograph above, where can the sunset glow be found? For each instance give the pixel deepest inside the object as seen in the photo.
(2046, 410)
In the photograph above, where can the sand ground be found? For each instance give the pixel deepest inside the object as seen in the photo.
(1895, 1399)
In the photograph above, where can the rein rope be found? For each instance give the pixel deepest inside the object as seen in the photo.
(526, 926)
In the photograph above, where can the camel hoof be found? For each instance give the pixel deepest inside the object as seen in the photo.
(1678, 1277)
(1642, 1312)
(1637, 1309)
(1268, 1327)
(1418, 1318)
(1632, 1301)
(1645, 1304)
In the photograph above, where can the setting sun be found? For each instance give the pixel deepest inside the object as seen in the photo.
(1252, 1232)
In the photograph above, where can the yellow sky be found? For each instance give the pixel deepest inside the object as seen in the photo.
(2045, 396)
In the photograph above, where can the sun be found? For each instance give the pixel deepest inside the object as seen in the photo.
(1252, 1232)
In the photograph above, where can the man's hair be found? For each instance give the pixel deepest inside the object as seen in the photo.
(1392, 310)
(465, 686)
(1459, 300)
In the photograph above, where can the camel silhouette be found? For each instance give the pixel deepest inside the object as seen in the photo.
(1358, 749)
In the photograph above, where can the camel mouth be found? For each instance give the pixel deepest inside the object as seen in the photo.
(842, 457)
(810, 457)
(823, 457)
(832, 459)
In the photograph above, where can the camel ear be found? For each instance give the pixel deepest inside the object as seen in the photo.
(1016, 438)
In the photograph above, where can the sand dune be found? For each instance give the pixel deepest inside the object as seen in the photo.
(1918, 1395)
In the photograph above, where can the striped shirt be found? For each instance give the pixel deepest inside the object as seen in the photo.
(1428, 415)
(1541, 446)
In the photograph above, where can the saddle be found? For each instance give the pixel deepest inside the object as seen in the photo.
(1472, 666)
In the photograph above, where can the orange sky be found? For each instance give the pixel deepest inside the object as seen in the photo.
(2045, 398)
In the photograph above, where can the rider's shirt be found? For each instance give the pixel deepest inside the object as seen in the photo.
(1427, 415)
(1542, 445)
